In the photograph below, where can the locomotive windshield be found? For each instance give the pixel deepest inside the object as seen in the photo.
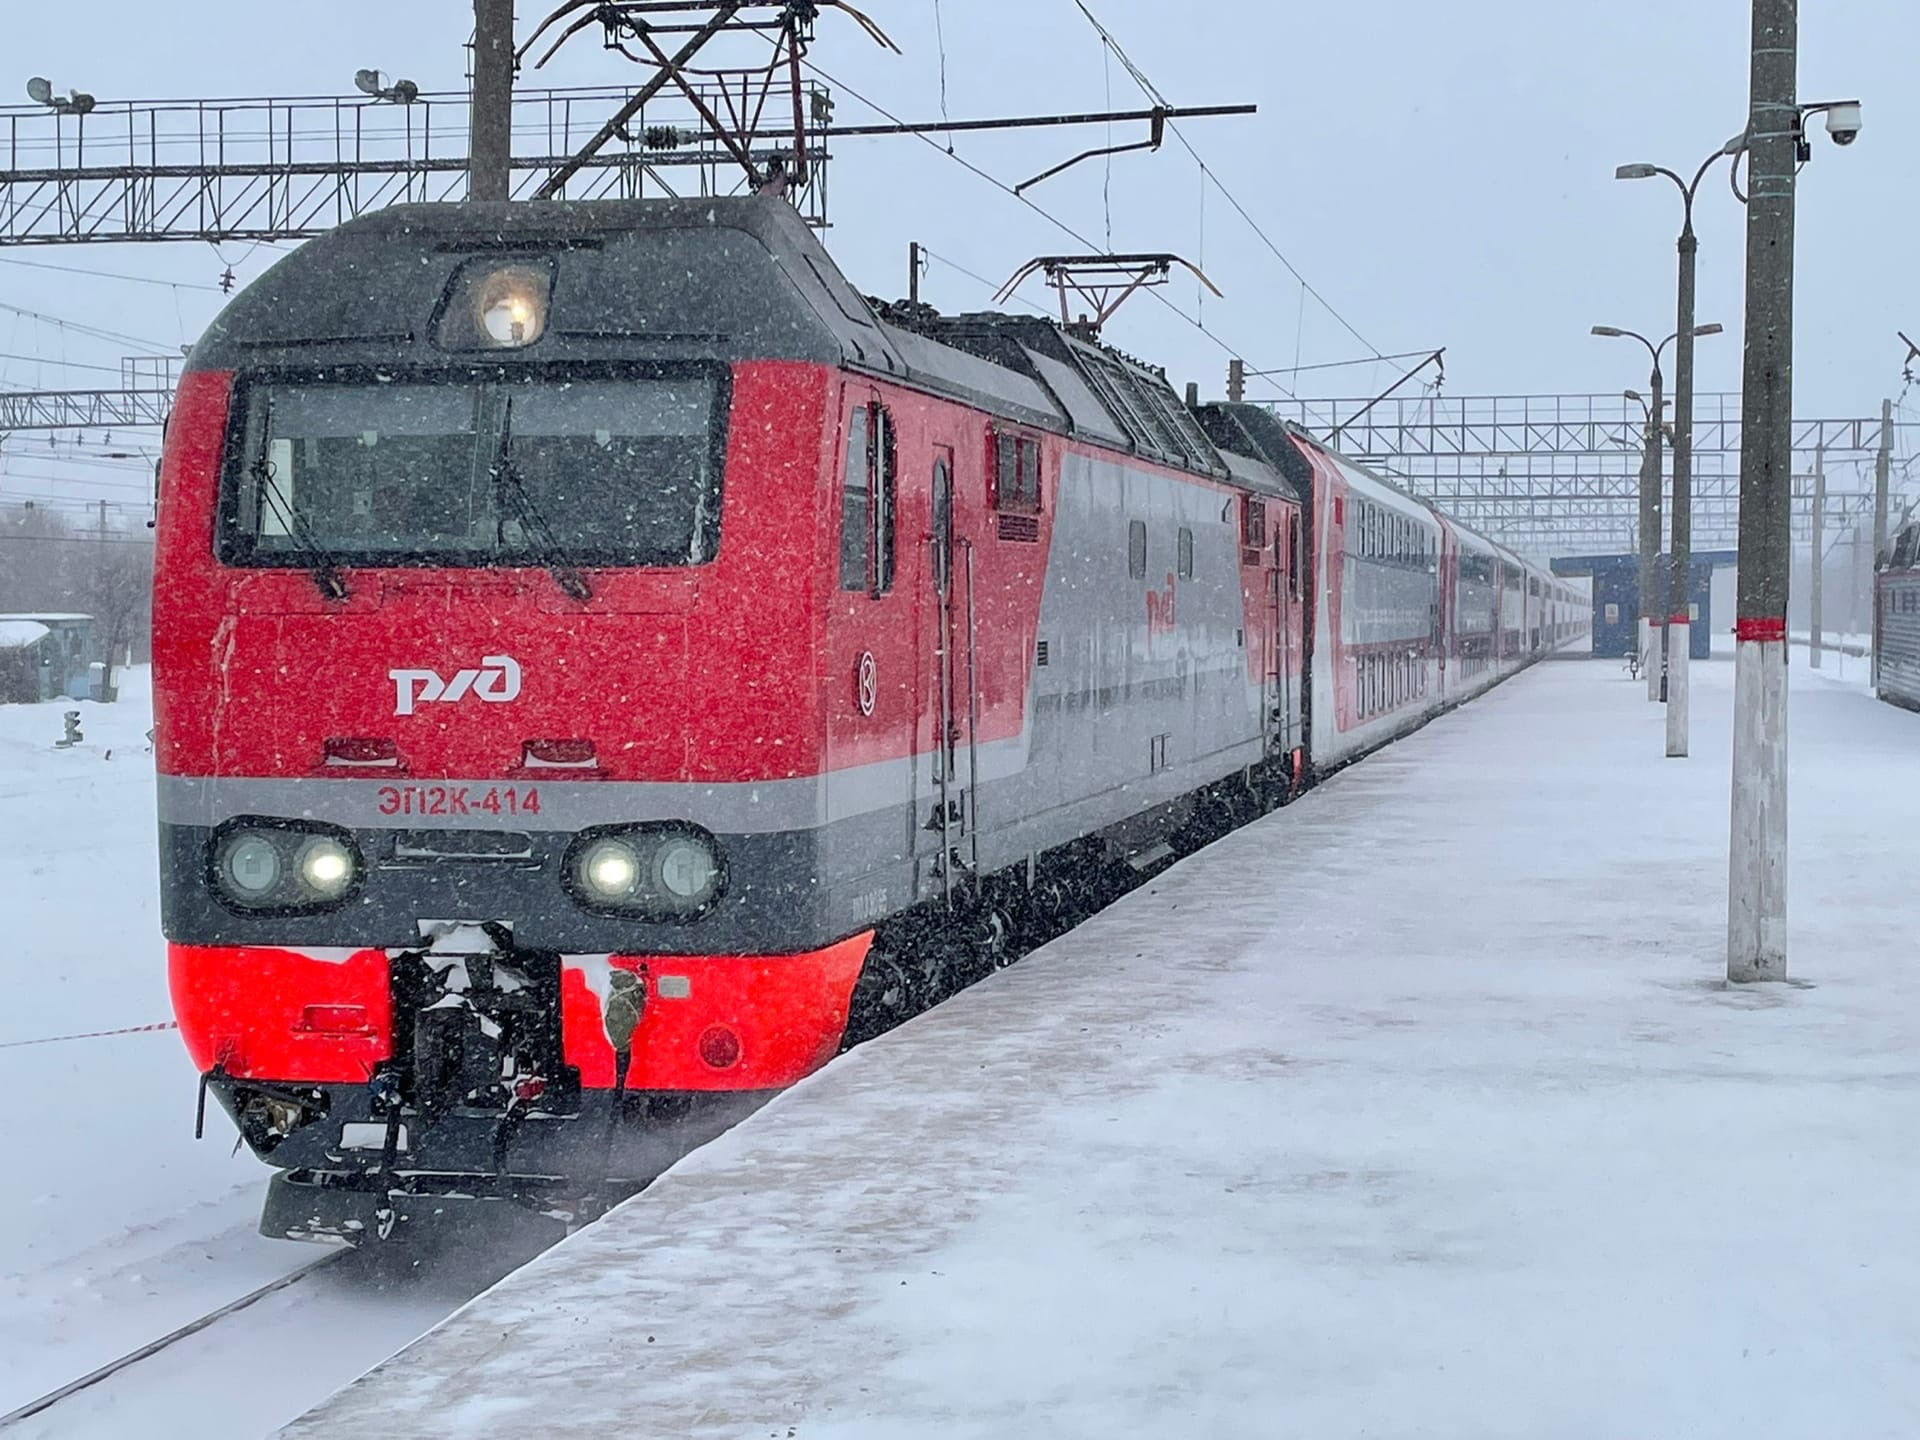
(477, 472)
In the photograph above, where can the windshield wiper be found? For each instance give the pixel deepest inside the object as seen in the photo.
(507, 482)
(321, 565)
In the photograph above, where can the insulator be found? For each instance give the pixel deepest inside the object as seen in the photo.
(661, 137)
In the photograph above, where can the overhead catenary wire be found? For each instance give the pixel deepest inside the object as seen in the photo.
(59, 364)
(96, 332)
(107, 274)
(1152, 92)
(940, 38)
(1041, 211)
(111, 539)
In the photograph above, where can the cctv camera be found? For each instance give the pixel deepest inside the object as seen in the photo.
(1843, 123)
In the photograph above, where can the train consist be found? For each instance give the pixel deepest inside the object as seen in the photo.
(1896, 621)
(605, 664)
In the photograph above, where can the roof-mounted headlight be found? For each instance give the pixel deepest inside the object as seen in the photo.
(497, 305)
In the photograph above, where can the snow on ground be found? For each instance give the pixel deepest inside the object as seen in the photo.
(115, 1226)
(1420, 1108)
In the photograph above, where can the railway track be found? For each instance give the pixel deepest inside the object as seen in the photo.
(52, 1398)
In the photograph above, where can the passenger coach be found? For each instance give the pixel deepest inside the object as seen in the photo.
(1896, 621)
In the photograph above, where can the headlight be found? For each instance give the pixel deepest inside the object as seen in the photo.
(283, 866)
(661, 872)
(326, 866)
(609, 870)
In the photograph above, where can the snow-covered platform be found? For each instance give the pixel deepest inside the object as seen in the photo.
(1419, 1108)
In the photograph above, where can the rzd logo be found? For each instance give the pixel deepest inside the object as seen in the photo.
(496, 681)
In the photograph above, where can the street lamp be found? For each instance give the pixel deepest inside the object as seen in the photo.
(401, 92)
(74, 102)
(1652, 630)
(1680, 563)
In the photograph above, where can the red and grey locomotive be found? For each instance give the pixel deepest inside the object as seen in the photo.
(604, 664)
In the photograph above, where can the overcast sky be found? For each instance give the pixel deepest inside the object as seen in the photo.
(1440, 173)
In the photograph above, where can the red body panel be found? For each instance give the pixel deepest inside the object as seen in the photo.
(279, 1015)
(246, 1010)
(241, 656)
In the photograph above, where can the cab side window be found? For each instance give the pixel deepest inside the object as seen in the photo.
(867, 503)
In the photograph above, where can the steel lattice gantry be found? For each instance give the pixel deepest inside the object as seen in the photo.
(283, 169)
(1562, 472)
(145, 397)
(82, 409)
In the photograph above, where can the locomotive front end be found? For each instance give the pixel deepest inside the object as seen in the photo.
(490, 784)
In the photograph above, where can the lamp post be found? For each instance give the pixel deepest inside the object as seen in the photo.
(1680, 563)
(1652, 448)
(1655, 643)
(1757, 852)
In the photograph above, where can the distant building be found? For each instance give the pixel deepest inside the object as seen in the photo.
(1616, 598)
(45, 657)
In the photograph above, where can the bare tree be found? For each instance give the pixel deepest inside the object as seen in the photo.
(37, 559)
(119, 594)
(46, 565)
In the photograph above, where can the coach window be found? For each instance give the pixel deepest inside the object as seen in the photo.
(1137, 549)
(1186, 553)
(1293, 553)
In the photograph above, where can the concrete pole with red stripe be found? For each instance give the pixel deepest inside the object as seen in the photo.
(1680, 555)
(1757, 867)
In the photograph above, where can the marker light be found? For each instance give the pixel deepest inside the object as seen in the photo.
(251, 865)
(686, 868)
(719, 1047)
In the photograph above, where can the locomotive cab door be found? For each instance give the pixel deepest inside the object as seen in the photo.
(1286, 592)
(947, 844)
(1276, 645)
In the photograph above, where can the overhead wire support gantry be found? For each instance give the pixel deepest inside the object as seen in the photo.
(267, 169)
(1561, 471)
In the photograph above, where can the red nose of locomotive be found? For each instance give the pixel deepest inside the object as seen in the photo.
(470, 711)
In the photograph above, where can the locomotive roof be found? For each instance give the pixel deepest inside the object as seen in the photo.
(752, 282)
